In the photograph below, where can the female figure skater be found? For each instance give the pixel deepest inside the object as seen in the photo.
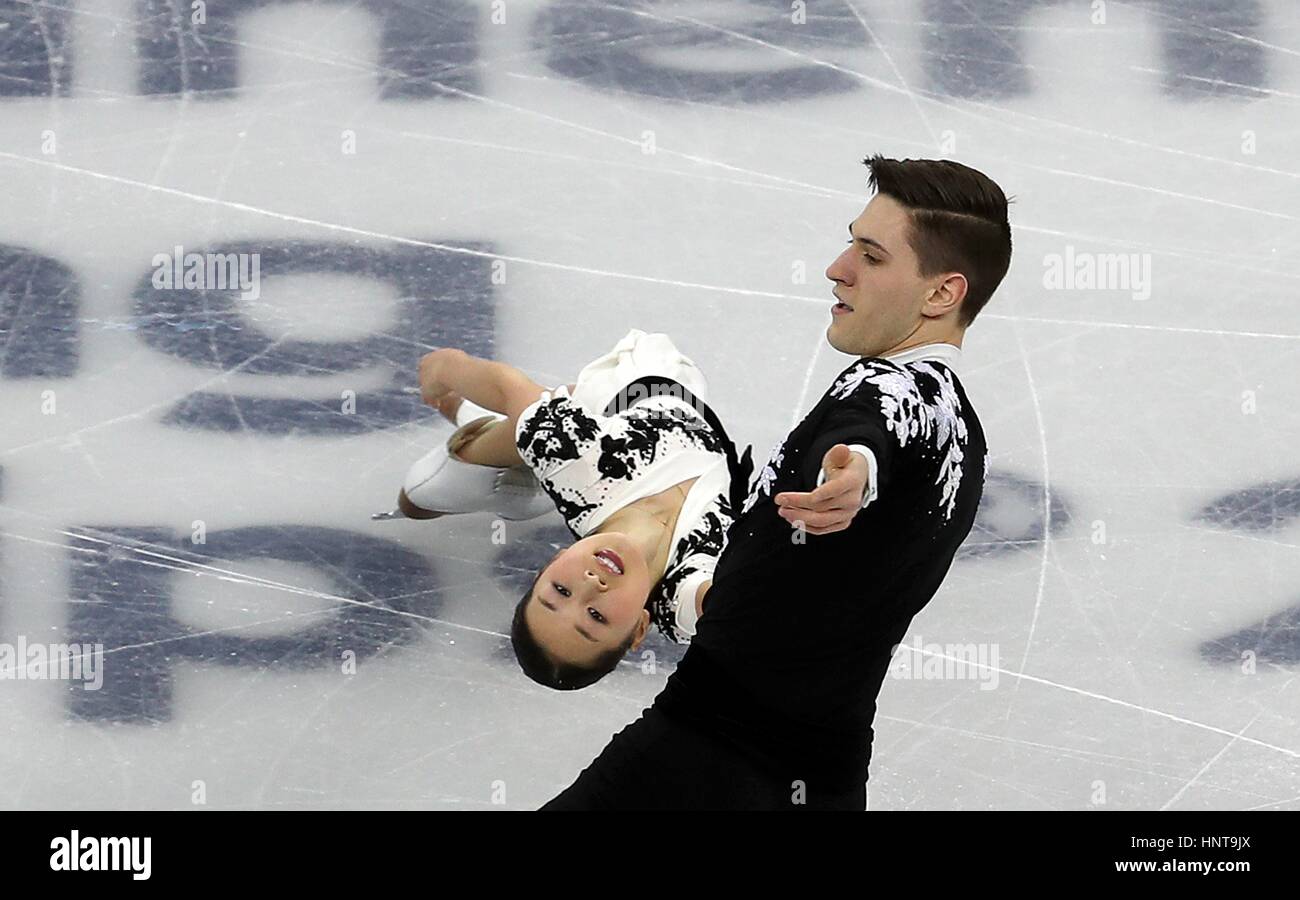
(636, 463)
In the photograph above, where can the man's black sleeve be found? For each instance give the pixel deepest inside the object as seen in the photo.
(856, 419)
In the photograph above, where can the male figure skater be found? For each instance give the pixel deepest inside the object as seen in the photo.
(846, 533)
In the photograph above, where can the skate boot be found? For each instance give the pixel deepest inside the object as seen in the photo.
(440, 483)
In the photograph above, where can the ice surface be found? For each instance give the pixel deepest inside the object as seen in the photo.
(186, 476)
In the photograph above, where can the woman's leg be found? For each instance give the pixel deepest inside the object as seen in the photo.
(492, 445)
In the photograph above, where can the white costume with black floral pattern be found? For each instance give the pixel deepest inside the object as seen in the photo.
(592, 464)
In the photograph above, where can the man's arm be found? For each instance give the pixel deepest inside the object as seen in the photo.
(831, 506)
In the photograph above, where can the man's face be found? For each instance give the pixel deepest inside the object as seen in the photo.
(878, 282)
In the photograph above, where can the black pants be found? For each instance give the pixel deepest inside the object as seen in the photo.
(658, 762)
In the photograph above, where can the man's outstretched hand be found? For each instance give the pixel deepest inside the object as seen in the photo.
(832, 506)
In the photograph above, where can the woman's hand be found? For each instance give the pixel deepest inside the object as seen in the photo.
(449, 404)
(434, 369)
(449, 376)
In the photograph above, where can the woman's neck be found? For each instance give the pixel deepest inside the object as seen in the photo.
(650, 526)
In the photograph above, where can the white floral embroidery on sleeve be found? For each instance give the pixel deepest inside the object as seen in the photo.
(909, 417)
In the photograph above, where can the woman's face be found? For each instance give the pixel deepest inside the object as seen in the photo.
(590, 598)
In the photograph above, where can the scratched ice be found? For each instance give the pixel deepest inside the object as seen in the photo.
(188, 470)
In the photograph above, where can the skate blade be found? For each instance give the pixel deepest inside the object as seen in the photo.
(409, 510)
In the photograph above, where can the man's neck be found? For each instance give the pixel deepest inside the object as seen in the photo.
(943, 348)
(948, 336)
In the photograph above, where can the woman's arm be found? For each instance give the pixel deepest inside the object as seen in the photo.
(491, 385)
(699, 596)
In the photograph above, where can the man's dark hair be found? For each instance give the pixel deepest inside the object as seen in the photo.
(959, 221)
(538, 666)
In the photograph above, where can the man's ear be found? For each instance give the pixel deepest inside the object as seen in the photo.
(947, 295)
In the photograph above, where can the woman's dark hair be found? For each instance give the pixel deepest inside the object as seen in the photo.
(538, 666)
(959, 221)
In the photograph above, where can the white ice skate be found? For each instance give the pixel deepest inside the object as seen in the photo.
(440, 483)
